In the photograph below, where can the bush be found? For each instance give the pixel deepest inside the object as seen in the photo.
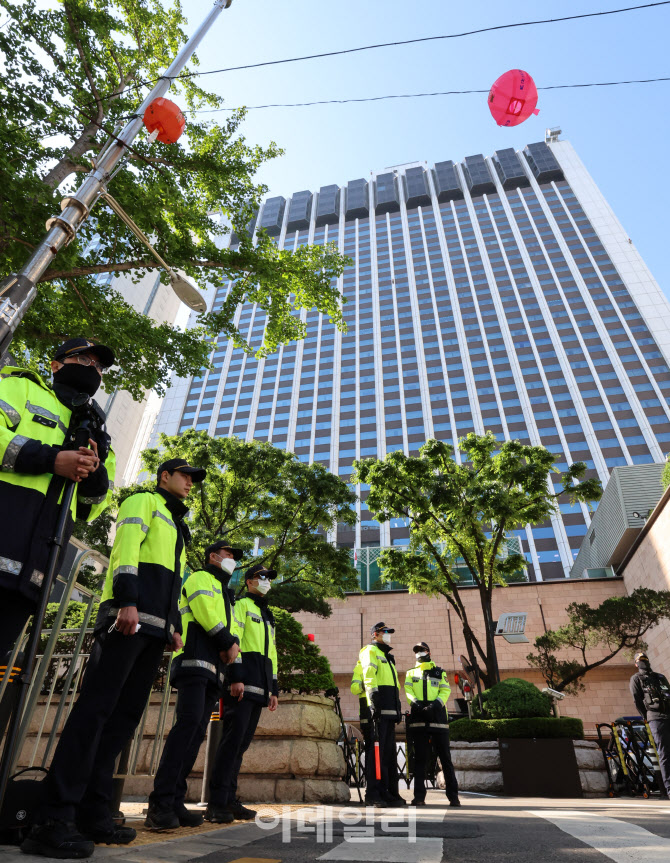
(300, 665)
(476, 730)
(513, 698)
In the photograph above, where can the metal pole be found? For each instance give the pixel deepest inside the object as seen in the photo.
(18, 290)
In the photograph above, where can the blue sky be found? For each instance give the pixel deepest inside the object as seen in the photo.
(621, 133)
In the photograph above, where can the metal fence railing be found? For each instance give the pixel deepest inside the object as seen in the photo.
(57, 678)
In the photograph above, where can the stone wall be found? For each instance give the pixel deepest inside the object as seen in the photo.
(421, 618)
(294, 756)
(478, 767)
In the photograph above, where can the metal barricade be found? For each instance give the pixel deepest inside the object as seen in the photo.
(57, 679)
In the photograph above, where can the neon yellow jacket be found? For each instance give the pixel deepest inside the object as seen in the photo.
(358, 688)
(33, 426)
(427, 689)
(380, 679)
(206, 606)
(146, 564)
(357, 684)
(256, 664)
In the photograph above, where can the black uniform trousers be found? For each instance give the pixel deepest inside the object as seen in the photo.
(240, 719)
(196, 700)
(387, 786)
(421, 738)
(15, 609)
(660, 729)
(114, 693)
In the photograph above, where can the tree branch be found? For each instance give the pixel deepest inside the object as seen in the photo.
(124, 267)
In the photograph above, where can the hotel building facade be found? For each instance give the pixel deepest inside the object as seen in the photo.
(499, 293)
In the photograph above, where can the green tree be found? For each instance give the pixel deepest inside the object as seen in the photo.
(617, 624)
(71, 75)
(254, 490)
(665, 476)
(459, 517)
(301, 667)
(512, 698)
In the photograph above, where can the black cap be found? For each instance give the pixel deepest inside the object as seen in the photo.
(640, 655)
(421, 647)
(378, 627)
(257, 569)
(222, 545)
(180, 464)
(79, 346)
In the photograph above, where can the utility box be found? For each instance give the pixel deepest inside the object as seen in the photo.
(534, 767)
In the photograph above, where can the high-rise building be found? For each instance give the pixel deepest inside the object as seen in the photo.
(500, 293)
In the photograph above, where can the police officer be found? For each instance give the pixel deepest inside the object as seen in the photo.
(651, 693)
(34, 420)
(211, 639)
(358, 688)
(138, 615)
(427, 690)
(383, 697)
(251, 685)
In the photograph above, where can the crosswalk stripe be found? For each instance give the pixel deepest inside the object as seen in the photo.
(619, 840)
(388, 850)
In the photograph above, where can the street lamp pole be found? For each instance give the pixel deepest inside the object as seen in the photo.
(18, 290)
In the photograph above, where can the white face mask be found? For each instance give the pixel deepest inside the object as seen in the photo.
(263, 587)
(227, 564)
(386, 637)
(420, 656)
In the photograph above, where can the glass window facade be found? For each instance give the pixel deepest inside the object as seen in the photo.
(480, 297)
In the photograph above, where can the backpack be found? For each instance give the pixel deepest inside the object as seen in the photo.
(656, 692)
(23, 798)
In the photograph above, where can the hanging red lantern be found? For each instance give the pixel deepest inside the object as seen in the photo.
(512, 98)
(166, 117)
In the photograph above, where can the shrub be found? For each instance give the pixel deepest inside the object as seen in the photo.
(300, 665)
(476, 730)
(513, 698)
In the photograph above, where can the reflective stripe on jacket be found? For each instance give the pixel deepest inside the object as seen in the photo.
(33, 426)
(145, 566)
(209, 626)
(427, 686)
(380, 679)
(358, 688)
(256, 664)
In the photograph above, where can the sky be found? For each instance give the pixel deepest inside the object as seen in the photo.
(620, 133)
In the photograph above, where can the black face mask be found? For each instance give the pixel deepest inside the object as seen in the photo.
(83, 379)
(643, 665)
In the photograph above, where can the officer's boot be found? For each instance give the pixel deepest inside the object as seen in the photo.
(188, 817)
(159, 818)
(241, 812)
(218, 814)
(59, 839)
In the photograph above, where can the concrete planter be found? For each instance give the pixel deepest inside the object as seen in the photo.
(294, 757)
(479, 767)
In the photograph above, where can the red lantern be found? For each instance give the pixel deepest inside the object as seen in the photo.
(512, 98)
(310, 636)
(166, 117)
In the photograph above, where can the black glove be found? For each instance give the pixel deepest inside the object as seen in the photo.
(376, 700)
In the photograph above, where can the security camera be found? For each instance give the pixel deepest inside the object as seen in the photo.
(553, 693)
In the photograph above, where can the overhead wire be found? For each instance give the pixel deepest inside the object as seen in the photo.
(375, 46)
(419, 95)
(423, 39)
